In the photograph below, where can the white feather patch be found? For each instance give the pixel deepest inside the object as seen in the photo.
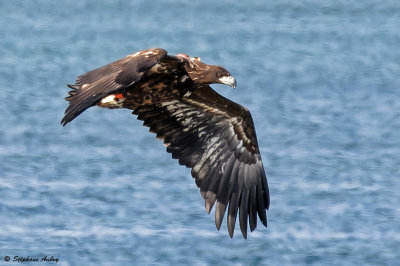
(108, 99)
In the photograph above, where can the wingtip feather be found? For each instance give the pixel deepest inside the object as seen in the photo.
(219, 214)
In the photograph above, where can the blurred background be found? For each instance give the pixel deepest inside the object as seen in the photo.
(321, 79)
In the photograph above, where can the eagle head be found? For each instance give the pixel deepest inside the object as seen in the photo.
(222, 76)
(202, 73)
(215, 75)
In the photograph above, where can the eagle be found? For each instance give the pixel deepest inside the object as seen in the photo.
(205, 131)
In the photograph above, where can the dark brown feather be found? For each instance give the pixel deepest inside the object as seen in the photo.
(109, 79)
(229, 175)
(243, 211)
(232, 212)
(203, 130)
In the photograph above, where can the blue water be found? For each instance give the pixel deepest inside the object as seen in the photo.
(321, 79)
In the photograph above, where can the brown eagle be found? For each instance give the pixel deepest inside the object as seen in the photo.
(203, 130)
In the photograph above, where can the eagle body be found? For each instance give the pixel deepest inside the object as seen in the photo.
(202, 129)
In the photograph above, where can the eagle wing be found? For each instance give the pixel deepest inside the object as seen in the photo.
(216, 138)
(92, 86)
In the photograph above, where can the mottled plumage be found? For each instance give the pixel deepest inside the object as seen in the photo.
(203, 130)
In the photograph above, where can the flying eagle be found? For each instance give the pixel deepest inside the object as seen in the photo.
(203, 130)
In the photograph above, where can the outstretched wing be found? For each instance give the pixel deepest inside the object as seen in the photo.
(216, 138)
(91, 87)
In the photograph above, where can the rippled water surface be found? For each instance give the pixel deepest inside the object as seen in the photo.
(321, 79)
